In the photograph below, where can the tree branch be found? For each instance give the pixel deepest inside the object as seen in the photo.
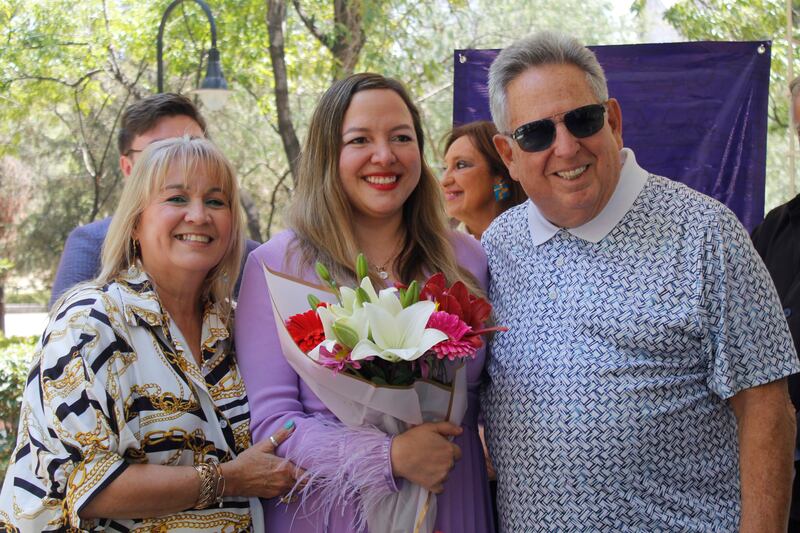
(72, 84)
(89, 162)
(310, 23)
(272, 200)
(117, 74)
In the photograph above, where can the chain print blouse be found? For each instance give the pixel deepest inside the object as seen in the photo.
(113, 384)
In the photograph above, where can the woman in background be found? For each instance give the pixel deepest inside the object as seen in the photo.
(476, 183)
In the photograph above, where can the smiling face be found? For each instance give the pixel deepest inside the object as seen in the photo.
(572, 180)
(467, 184)
(185, 230)
(380, 163)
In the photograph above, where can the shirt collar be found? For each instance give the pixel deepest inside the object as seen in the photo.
(631, 181)
(139, 299)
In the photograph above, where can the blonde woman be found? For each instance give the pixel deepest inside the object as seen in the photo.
(363, 187)
(135, 414)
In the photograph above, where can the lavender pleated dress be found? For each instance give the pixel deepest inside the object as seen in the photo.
(321, 444)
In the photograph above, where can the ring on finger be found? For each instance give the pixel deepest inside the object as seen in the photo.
(274, 441)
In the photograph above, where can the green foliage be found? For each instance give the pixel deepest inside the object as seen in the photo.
(753, 20)
(16, 354)
(68, 69)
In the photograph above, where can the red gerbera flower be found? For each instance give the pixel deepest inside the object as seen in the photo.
(306, 330)
(458, 301)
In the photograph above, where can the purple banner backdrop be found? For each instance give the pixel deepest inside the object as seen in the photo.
(694, 112)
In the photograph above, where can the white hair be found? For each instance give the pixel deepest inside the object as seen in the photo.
(542, 48)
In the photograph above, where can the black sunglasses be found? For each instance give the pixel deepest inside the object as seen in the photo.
(581, 122)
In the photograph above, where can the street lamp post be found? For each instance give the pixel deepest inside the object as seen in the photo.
(213, 90)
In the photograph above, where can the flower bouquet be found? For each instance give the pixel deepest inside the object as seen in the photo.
(390, 359)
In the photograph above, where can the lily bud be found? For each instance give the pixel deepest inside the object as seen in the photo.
(362, 267)
(414, 288)
(313, 301)
(322, 272)
(345, 335)
(411, 295)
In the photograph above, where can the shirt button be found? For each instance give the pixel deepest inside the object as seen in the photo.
(553, 295)
(787, 312)
(223, 423)
(560, 261)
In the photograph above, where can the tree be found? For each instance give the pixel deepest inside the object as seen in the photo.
(67, 71)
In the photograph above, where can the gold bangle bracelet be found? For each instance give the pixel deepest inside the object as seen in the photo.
(219, 491)
(208, 485)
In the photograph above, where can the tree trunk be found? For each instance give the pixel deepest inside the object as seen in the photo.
(251, 213)
(276, 15)
(346, 39)
(347, 44)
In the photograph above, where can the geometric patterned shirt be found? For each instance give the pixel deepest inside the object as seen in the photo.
(111, 385)
(606, 404)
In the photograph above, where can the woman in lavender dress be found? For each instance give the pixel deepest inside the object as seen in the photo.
(363, 186)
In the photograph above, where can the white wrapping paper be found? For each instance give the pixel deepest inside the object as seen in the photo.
(357, 402)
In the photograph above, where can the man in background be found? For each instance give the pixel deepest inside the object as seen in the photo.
(157, 117)
(777, 240)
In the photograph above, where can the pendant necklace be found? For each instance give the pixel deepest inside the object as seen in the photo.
(382, 272)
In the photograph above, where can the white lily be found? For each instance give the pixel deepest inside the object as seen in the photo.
(356, 320)
(351, 313)
(397, 333)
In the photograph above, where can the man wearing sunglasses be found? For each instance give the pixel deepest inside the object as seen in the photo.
(777, 240)
(156, 117)
(642, 383)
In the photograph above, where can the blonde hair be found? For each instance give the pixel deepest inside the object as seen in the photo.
(321, 215)
(185, 155)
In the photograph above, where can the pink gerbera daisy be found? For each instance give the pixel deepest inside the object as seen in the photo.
(455, 329)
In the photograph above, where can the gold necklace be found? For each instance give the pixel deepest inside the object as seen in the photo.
(382, 272)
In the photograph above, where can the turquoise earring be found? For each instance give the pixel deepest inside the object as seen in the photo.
(501, 191)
